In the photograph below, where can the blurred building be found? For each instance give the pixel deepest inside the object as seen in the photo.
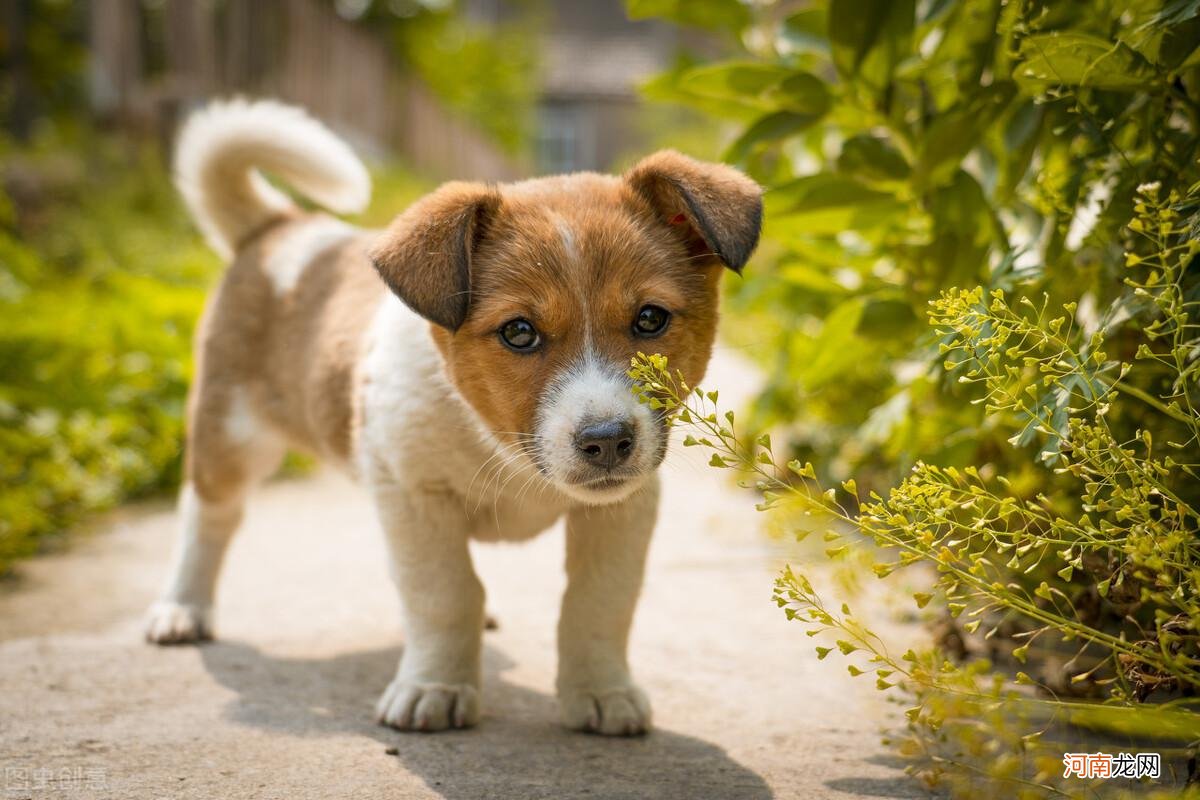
(592, 60)
(152, 60)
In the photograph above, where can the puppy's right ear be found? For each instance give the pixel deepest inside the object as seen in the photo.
(425, 254)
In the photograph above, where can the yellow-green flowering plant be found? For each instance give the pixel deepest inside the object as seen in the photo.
(1085, 597)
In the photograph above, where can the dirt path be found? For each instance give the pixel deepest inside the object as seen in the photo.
(280, 706)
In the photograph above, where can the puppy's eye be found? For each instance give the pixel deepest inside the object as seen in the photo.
(651, 321)
(520, 335)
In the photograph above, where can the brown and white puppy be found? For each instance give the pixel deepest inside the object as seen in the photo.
(478, 389)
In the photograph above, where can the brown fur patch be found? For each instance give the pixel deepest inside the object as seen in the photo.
(293, 356)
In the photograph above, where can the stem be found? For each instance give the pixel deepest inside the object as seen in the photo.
(1151, 400)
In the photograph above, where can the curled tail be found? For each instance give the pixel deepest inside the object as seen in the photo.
(222, 148)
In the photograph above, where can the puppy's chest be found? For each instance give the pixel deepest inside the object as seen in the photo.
(510, 503)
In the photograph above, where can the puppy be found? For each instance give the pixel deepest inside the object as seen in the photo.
(467, 364)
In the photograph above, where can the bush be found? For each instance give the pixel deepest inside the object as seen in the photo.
(1041, 436)
(102, 278)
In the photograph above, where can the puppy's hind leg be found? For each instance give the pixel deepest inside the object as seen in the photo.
(228, 451)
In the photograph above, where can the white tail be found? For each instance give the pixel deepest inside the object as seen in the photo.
(222, 147)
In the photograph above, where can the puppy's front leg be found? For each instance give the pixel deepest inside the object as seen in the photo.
(437, 683)
(606, 558)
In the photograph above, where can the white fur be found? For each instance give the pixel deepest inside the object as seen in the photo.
(241, 424)
(591, 391)
(185, 611)
(291, 255)
(568, 237)
(222, 148)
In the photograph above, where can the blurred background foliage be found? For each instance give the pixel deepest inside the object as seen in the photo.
(102, 278)
(483, 69)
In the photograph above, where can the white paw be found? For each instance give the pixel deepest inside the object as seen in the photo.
(412, 706)
(623, 711)
(168, 622)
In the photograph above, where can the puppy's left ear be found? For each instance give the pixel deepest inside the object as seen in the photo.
(714, 208)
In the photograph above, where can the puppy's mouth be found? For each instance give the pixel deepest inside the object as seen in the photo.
(605, 481)
(603, 489)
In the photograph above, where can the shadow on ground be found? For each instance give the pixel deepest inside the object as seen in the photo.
(518, 750)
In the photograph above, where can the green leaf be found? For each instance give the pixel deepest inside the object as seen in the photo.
(869, 38)
(808, 278)
(872, 159)
(887, 318)
(827, 360)
(1166, 34)
(802, 93)
(828, 203)
(666, 88)
(1063, 58)
(956, 132)
(734, 81)
(964, 227)
(770, 128)
(805, 32)
(804, 471)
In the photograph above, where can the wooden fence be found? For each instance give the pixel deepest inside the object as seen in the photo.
(150, 63)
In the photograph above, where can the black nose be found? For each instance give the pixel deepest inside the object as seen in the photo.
(605, 444)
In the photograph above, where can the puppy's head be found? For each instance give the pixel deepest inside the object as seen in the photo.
(542, 291)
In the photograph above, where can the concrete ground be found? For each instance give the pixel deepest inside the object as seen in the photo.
(281, 705)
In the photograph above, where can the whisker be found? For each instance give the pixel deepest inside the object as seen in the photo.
(498, 452)
(533, 473)
(495, 479)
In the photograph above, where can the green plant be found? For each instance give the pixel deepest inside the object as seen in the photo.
(102, 278)
(484, 71)
(911, 147)
(1122, 536)
(1040, 436)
